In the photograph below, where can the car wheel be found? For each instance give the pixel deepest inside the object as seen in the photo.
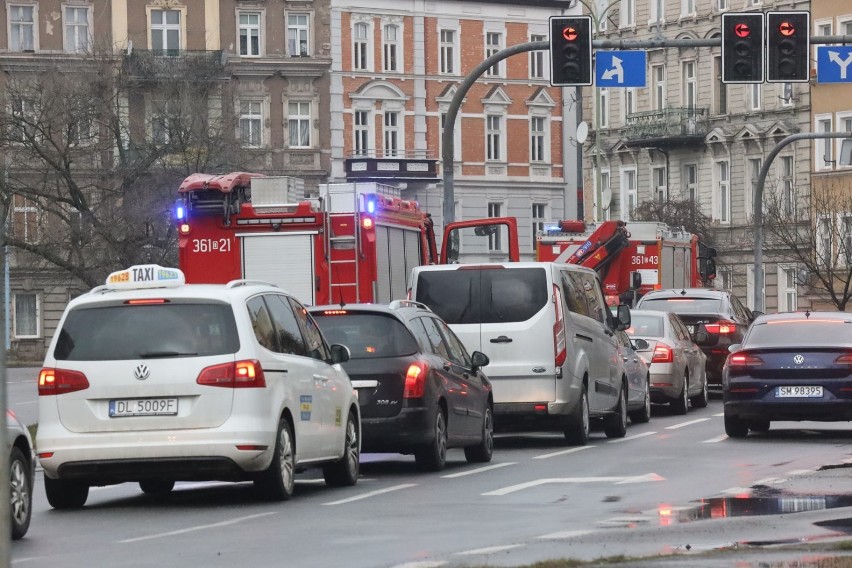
(279, 479)
(616, 424)
(681, 404)
(700, 401)
(22, 495)
(577, 429)
(735, 427)
(482, 452)
(65, 494)
(758, 425)
(157, 486)
(344, 472)
(643, 415)
(433, 456)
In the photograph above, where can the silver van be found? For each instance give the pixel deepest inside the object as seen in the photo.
(550, 338)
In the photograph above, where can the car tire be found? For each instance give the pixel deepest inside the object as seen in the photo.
(21, 485)
(157, 486)
(735, 427)
(344, 472)
(433, 456)
(616, 424)
(65, 494)
(278, 481)
(643, 415)
(758, 425)
(680, 405)
(482, 452)
(577, 429)
(700, 401)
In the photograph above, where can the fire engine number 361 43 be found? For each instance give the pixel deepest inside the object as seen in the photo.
(211, 245)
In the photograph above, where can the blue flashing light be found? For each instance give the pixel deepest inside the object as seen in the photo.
(552, 229)
(180, 213)
(371, 206)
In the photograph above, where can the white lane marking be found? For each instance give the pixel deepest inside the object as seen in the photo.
(716, 439)
(30, 559)
(372, 494)
(545, 481)
(642, 479)
(770, 481)
(690, 423)
(720, 414)
(26, 402)
(628, 438)
(563, 534)
(736, 490)
(799, 472)
(422, 564)
(478, 470)
(562, 452)
(197, 528)
(489, 550)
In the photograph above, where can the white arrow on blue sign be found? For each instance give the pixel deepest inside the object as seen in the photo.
(620, 68)
(834, 64)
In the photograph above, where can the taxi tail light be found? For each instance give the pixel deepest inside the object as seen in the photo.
(845, 359)
(662, 354)
(60, 381)
(559, 342)
(415, 380)
(239, 375)
(721, 327)
(740, 360)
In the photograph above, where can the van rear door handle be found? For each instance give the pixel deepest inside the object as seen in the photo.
(502, 339)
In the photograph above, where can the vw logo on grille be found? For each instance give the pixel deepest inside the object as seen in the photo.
(798, 359)
(141, 372)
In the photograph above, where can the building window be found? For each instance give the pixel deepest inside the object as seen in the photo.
(845, 244)
(603, 107)
(690, 89)
(495, 239)
(788, 189)
(720, 89)
(448, 52)
(25, 220)
(22, 30)
(723, 192)
(604, 209)
(250, 34)
(754, 96)
(786, 95)
(27, 307)
(754, 165)
(390, 49)
(628, 13)
(391, 134)
(493, 44)
(298, 35)
(24, 120)
(661, 190)
(362, 133)
(494, 131)
(630, 193)
(658, 11)
(721, 5)
(824, 158)
(843, 124)
(82, 131)
(251, 123)
(690, 184)
(787, 291)
(687, 7)
(165, 121)
(361, 47)
(825, 241)
(299, 124)
(538, 137)
(538, 217)
(537, 59)
(725, 278)
(77, 38)
(658, 72)
(165, 32)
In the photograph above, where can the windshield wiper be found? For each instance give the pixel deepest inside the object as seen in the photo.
(163, 354)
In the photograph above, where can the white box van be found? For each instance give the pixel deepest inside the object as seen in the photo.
(548, 333)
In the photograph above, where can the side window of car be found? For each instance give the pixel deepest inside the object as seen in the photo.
(316, 346)
(286, 327)
(416, 327)
(458, 354)
(261, 323)
(742, 312)
(436, 342)
(575, 295)
(680, 331)
(594, 297)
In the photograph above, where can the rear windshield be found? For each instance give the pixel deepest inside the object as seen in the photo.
(800, 333)
(147, 331)
(484, 296)
(367, 335)
(645, 325)
(683, 305)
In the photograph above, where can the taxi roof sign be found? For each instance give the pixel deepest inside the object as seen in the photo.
(146, 276)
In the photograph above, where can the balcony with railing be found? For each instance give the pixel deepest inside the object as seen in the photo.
(378, 165)
(177, 65)
(667, 127)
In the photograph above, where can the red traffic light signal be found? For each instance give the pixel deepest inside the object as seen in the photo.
(569, 33)
(786, 28)
(742, 30)
(788, 47)
(742, 47)
(570, 51)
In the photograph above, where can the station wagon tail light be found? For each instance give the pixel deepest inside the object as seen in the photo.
(559, 342)
(662, 354)
(239, 375)
(721, 327)
(60, 381)
(845, 359)
(744, 360)
(415, 380)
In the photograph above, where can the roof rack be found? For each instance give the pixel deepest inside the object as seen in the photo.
(396, 304)
(246, 282)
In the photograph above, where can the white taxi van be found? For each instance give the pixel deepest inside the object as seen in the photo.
(152, 380)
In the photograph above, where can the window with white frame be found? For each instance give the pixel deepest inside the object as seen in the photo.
(754, 96)
(27, 315)
(754, 165)
(298, 35)
(825, 240)
(26, 216)
(687, 8)
(658, 11)
(629, 192)
(538, 139)
(788, 188)
(845, 240)
(23, 33)
(605, 209)
(725, 278)
(720, 89)
(603, 24)
(77, 38)
(787, 288)
(690, 86)
(753, 2)
(658, 72)
(361, 47)
(166, 31)
(249, 33)
(721, 5)
(165, 121)
(391, 49)
(457, 142)
(82, 130)
(629, 102)
(448, 52)
(661, 190)
(603, 107)
(537, 59)
(494, 137)
(299, 123)
(843, 124)
(495, 239)
(392, 139)
(361, 132)
(723, 192)
(24, 119)
(493, 44)
(823, 28)
(786, 94)
(750, 287)
(823, 158)
(251, 123)
(539, 217)
(690, 184)
(628, 13)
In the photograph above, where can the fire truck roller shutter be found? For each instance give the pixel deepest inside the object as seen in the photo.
(397, 251)
(284, 259)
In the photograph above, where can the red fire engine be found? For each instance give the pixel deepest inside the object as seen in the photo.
(650, 256)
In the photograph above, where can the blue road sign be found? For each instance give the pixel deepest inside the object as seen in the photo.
(834, 64)
(620, 68)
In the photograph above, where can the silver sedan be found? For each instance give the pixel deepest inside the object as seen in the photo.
(677, 364)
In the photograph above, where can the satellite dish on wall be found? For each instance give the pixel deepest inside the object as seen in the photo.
(606, 198)
(582, 132)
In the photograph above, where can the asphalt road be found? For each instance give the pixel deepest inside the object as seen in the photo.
(538, 499)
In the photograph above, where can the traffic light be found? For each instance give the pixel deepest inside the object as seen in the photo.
(742, 47)
(570, 51)
(788, 47)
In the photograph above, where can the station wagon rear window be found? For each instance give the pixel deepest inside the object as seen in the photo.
(367, 335)
(683, 305)
(148, 331)
(800, 333)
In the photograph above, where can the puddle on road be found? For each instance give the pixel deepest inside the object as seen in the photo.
(751, 506)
